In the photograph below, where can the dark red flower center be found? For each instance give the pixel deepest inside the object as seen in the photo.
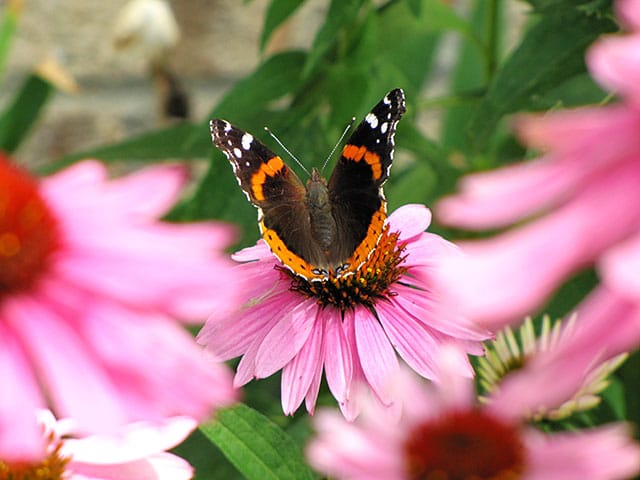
(370, 283)
(28, 230)
(466, 445)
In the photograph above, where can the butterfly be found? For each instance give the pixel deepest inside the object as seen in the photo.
(324, 228)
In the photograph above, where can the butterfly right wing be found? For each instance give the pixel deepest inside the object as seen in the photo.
(276, 191)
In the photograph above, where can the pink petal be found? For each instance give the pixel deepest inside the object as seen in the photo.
(257, 252)
(80, 176)
(604, 453)
(77, 384)
(606, 326)
(247, 366)
(411, 339)
(615, 62)
(503, 279)
(286, 338)
(619, 268)
(629, 12)
(299, 375)
(314, 387)
(338, 359)
(149, 192)
(377, 357)
(230, 336)
(500, 197)
(343, 450)
(410, 220)
(161, 466)
(132, 442)
(18, 403)
(436, 314)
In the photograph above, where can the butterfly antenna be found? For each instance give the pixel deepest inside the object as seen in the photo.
(353, 119)
(272, 135)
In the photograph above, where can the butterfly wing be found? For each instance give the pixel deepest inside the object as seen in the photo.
(355, 186)
(276, 191)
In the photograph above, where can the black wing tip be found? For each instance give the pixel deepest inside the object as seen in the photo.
(396, 96)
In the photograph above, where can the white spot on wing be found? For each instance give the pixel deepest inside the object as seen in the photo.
(247, 138)
(383, 127)
(386, 100)
(372, 120)
(237, 152)
(227, 126)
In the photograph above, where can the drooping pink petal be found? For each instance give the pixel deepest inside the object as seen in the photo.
(338, 358)
(604, 453)
(21, 397)
(619, 268)
(300, 375)
(411, 339)
(377, 357)
(577, 157)
(75, 380)
(229, 336)
(500, 280)
(286, 338)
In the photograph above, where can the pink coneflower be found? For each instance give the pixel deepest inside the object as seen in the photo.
(584, 192)
(350, 326)
(443, 433)
(90, 284)
(135, 451)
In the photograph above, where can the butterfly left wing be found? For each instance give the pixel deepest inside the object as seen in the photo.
(278, 194)
(355, 186)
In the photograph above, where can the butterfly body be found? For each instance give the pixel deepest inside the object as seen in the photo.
(324, 228)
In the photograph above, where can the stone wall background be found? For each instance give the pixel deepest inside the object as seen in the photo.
(219, 44)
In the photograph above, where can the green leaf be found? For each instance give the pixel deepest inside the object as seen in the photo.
(278, 12)
(186, 140)
(8, 25)
(279, 75)
(551, 53)
(19, 117)
(469, 74)
(258, 448)
(341, 14)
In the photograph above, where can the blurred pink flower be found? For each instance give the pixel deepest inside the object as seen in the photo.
(133, 452)
(90, 284)
(441, 432)
(583, 192)
(349, 328)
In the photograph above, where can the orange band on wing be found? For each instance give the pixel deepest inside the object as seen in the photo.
(293, 262)
(351, 152)
(368, 244)
(268, 169)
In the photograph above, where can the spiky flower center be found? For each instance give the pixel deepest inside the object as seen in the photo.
(370, 283)
(464, 445)
(51, 467)
(28, 231)
(512, 351)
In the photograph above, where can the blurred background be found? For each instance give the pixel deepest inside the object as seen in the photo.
(116, 94)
